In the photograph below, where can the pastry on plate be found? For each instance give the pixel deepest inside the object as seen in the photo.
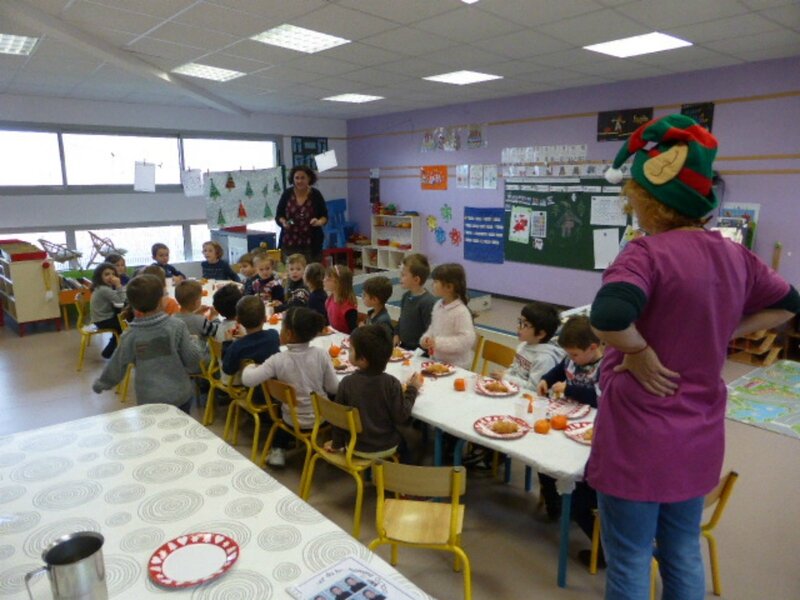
(436, 369)
(504, 427)
(495, 386)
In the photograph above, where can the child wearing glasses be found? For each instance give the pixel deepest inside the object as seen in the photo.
(535, 356)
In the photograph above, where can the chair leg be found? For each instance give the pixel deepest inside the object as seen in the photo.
(229, 423)
(307, 491)
(208, 414)
(528, 479)
(507, 468)
(256, 433)
(464, 559)
(359, 502)
(653, 573)
(304, 473)
(714, 559)
(236, 414)
(125, 384)
(595, 545)
(393, 556)
(262, 462)
(82, 353)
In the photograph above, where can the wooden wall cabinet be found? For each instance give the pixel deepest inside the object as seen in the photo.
(22, 284)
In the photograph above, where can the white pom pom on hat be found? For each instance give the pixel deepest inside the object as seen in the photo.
(613, 175)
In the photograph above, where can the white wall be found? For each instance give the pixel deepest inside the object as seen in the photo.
(48, 211)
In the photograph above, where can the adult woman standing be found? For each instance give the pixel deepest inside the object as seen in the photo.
(668, 306)
(301, 214)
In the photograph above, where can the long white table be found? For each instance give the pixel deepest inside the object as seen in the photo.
(144, 475)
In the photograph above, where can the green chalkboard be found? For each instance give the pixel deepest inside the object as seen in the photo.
(557, 222)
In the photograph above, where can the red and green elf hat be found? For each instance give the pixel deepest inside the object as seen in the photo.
(677, 170)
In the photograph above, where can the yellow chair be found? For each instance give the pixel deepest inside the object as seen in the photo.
(347, 418)
(278, 393)
(126, 381)
(476, 357)
(242, 400)
(718, 497)
(213, 374)
(433, 525)
(494, 353)
(87, 331)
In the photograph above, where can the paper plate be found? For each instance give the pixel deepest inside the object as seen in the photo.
(484, 427)
(407, 354)
(328, 330)
(348, 367)
(192, 559)
(568, 408)
(428, 363)
(577, 431)
(345, 343)
(482, 382)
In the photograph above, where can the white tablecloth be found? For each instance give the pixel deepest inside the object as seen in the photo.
(144, 475)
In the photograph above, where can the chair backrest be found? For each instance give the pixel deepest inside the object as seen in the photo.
(719, 496)
(477, 355)
(336, 211)
(81, 305)
(338, 415)
(284, 393)
(423, 481)
(492, 352)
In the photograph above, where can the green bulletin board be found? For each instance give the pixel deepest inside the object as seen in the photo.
(575, 223)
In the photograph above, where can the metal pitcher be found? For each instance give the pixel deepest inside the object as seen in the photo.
(75, 568)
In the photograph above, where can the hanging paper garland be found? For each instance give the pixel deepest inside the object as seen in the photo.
(213, 193)
(447, 213)
(441, 236)
(242, 211)
(48, 294)
(248, 191)
(267, 211)
(221, 219)
(455, 237)
(230, 184)
(433, 222)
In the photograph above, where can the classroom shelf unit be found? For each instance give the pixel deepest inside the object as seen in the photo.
(23, 286)
(758, 348)
(393, 236)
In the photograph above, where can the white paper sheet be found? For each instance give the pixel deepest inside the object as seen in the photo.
(326, 161)
(462, 176)
(608, 210)
(476, 176)
(520, 224)
(144, 177)
(192, 181)
(606, 247)
(490, 177)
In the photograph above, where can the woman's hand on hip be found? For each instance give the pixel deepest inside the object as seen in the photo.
(646, 367)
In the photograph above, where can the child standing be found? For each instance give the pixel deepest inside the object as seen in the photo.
(160, 254)
(296, 292)
(314, 279)
(214, 267)
(341, 305)
(379, 397)
(258, 344)
(307, 368)
(537, 324)
(416, 305)
(108, 297)
(168, 304)
(119, 263)
(266, 284)
(377, 291)
(160, 347)
(451, 335)
(577, 377)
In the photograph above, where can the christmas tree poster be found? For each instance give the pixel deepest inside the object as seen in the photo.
(240, 197)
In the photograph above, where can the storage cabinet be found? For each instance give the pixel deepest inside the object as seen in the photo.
(236, 243)
(393, 236)
(24, 283)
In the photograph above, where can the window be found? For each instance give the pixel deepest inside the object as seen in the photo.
(29, 158)
(57, 237)
(137, 241)
(200, 235)
(109, 159)
(228, 155)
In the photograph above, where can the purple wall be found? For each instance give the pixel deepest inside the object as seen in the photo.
(760, 127)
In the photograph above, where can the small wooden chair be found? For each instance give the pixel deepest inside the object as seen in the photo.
(494, 353)
(433, 525)
(87, 331)
(347, 418)
(718, 498)
(242, 400)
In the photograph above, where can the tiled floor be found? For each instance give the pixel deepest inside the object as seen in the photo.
(512, 547)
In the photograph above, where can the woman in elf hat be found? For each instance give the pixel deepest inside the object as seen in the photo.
(668, 306)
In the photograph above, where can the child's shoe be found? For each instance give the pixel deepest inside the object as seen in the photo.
(277, 457)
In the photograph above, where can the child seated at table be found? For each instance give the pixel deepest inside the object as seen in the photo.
(265, 284)
(257, 344)
(214, 267)
(160, 254)
(118, 261)
(189, 296)
(308, 368)
(313, 277)
(224, 301)
(108, 297)
(450, 338)
(296, 293)
(379, 397)
(576, 377)
(168, 304)
(160, 347)
(376, 293)
(246, 268)
(416, 304)
(535, 356)
(341, 305)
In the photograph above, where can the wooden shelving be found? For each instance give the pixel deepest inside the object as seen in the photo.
(393, 236)
(760, 348)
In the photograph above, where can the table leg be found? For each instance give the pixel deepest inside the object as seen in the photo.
(458, 451)
(566, 508)
(437, 447)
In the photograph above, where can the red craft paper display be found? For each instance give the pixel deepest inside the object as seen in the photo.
(434, 177)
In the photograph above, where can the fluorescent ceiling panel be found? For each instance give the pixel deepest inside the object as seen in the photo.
(206, 72)
(462, 77)
(638, 45)
(354, 98)
(299, 38)
(17, 44)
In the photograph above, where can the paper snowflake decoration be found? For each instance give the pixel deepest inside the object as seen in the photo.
(433, 222)
(441, 236)
(447, 213)
(455, 237)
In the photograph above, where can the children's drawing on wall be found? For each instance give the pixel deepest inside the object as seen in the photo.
(539, 224)
(447, 213)
(476, 176)
(440, 236)
(428, 141)
(616, 125)
(520, 225)
(538, 244)
(490, 177)
(462, 176)
(455, 237)
(452, 139)
(476, 136)
(567, 219)
(433, 177)
(433, 222)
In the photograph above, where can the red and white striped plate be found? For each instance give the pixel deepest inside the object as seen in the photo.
(192, 559)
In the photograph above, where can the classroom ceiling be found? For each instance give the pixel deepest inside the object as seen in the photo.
(124, 50)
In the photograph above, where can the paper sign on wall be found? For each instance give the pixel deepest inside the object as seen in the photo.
(144, 177)
(192, 181)
(326, 161)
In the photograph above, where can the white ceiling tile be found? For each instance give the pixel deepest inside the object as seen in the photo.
(467, 25)
(346, 23)
(465, 57)
(288, 74)
(512, 68)
(319, 63)
(658, 15)
(339, 85)
(361, 54)
(600, 26)
(785, 15)
(577, 56)
(711, 61)
(374, 76)
(408, 41)
(745, 46)
(168, 52)
(51, 6)
(267, 83)
(410, 67)
(523, 44)
(253, 50)
(234, 63)
(276, 10)
(762, 4)
(234, 22)
(403, 11)
(192, 36)
(678, 55)
(162, 9)
(90, 17)
(533, 14)
(732, 27)
(772, 52)
(39, 89)
(116, 37)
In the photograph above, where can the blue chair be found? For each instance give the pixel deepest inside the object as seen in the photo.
(337, 229)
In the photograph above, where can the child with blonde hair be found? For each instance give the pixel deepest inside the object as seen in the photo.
(451, 335)
(295, 293)
(266, 284)
(214, 267)
(341, 305)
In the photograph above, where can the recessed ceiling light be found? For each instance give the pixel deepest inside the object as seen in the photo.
(462, 77)
(469, 1)
(355, 98)
(299, 38)
(206, 72)
(639, 44)
(17, 44)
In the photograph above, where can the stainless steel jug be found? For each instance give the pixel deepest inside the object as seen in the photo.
(75, 568)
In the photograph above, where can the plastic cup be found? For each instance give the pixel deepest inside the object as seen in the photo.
(520, 407)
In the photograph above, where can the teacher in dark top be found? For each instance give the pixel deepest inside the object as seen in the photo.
(301, 214)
